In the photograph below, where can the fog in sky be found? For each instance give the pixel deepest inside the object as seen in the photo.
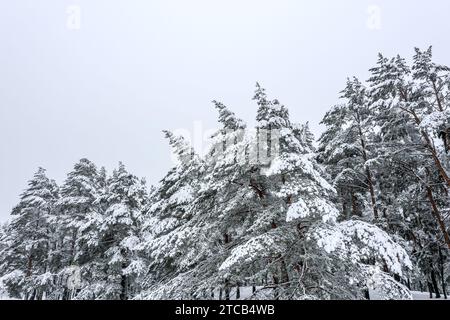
(101, 78)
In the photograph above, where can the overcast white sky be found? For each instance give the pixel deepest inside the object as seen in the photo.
(106, 90)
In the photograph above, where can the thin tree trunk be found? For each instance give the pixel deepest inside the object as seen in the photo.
(227, 239)
(430, 147)
(354, 205)
(436, 93)
(227, 290)
(368, 173)
(372, 193)
(29, 265)
(124, 285)
(442, 273)
(427, 139)
(435, 285)
(284, 275)
(275, 290)
(344, 206)
(430, 289)
(436, 159)
(422, 288)
(33, 294)
(124, 278)
(72, 248)
(438, 216)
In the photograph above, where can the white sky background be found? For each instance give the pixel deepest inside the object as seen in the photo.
(106, 90)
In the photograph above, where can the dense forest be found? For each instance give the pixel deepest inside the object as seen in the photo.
(267, 213)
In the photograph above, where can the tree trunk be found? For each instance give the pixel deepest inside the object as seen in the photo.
(354, 205)
(29, 265)
(442, 273)
(124, 286)
(284, 275)
(372, 194)
(436, 93)
(276, 294)
(436, 159)
(428, 143)
(430, 289)
(368, 173)
(435, 285)
(366, 294)
(72, 247)
(227, 290)
(124, 279)
(438, 216)
(33, 295)
(227, 239)
(345, 212)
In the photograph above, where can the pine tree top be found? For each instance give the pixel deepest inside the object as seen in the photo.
(182, 150)
(270, 114)
(227, 118)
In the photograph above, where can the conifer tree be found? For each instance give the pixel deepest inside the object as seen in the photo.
(347, 150)
(262, 224)
(120, 231)
(76, 207)
(29, 252)
(168, 237)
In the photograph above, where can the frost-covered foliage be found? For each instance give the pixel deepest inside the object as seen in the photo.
(28, 254)
(346, 149)
(75, 242)
(115, 232)
(263, 212)
(361, 241)
(229, 220)
(398, 163)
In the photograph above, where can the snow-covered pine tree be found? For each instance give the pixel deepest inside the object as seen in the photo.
(266, 225)
(29, 252)
(3, 234)
(77, 207)
(264, 250)
(412, 104)
(257, 212)
(121, 227)
(224, 200)
(3, 246)
(168, 232)
(418, 95)
(112, 236)
(286, 237)
(306, 135)
(406, 123)
(403, 199)
(392, 83)
(346, 149)
(434, 84)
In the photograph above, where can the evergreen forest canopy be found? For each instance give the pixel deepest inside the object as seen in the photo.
(366, 211)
